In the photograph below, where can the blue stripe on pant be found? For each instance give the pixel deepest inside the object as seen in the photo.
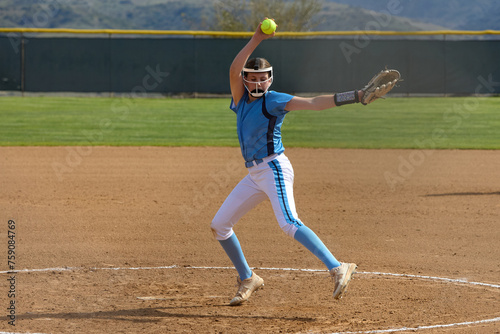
(303, 234)
(282, 196)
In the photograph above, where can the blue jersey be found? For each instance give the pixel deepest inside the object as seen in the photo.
(259, 124)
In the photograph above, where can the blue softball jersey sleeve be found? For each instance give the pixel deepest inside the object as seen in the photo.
(276, 103)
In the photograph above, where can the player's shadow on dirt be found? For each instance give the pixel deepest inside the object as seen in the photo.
(464, 194)
(146, 315)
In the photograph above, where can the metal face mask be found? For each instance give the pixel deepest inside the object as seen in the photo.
(257, 92)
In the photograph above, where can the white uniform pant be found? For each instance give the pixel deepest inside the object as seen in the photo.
(273, 179)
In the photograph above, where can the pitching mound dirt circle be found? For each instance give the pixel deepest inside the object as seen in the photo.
(100, 212)
(186, 298)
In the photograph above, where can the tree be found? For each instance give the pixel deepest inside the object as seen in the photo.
(245, 15)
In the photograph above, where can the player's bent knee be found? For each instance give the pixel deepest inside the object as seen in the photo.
(221, 230)
(215, 228)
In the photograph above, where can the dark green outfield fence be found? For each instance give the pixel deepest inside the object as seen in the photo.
(187, 65)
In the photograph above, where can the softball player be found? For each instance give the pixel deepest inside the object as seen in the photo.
(260, 114)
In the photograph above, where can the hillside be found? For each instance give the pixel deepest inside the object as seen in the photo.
(106, 14)
(453, 14)
(336, 16)
(198, 14)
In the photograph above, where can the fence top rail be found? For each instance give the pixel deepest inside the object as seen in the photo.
(247, 34)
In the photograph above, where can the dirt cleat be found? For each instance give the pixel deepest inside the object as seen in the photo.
(246, 287)
(342, 275)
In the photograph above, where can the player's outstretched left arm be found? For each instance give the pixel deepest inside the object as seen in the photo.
(381, 84)
(320, 102)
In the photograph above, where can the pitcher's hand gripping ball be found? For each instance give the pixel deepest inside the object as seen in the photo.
(380, 85)
(268, 26)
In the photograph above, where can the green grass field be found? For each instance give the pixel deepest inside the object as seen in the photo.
(444, 123)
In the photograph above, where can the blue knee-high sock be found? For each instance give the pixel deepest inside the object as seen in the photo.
(311, 241)
(233, 250)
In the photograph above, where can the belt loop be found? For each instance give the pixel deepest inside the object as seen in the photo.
(252, 163)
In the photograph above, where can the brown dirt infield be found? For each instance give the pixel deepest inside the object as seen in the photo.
(101, 211)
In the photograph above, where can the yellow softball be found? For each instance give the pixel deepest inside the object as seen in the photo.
(268, 26)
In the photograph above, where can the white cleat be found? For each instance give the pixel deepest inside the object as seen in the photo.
(246, 288)
(342, 275)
